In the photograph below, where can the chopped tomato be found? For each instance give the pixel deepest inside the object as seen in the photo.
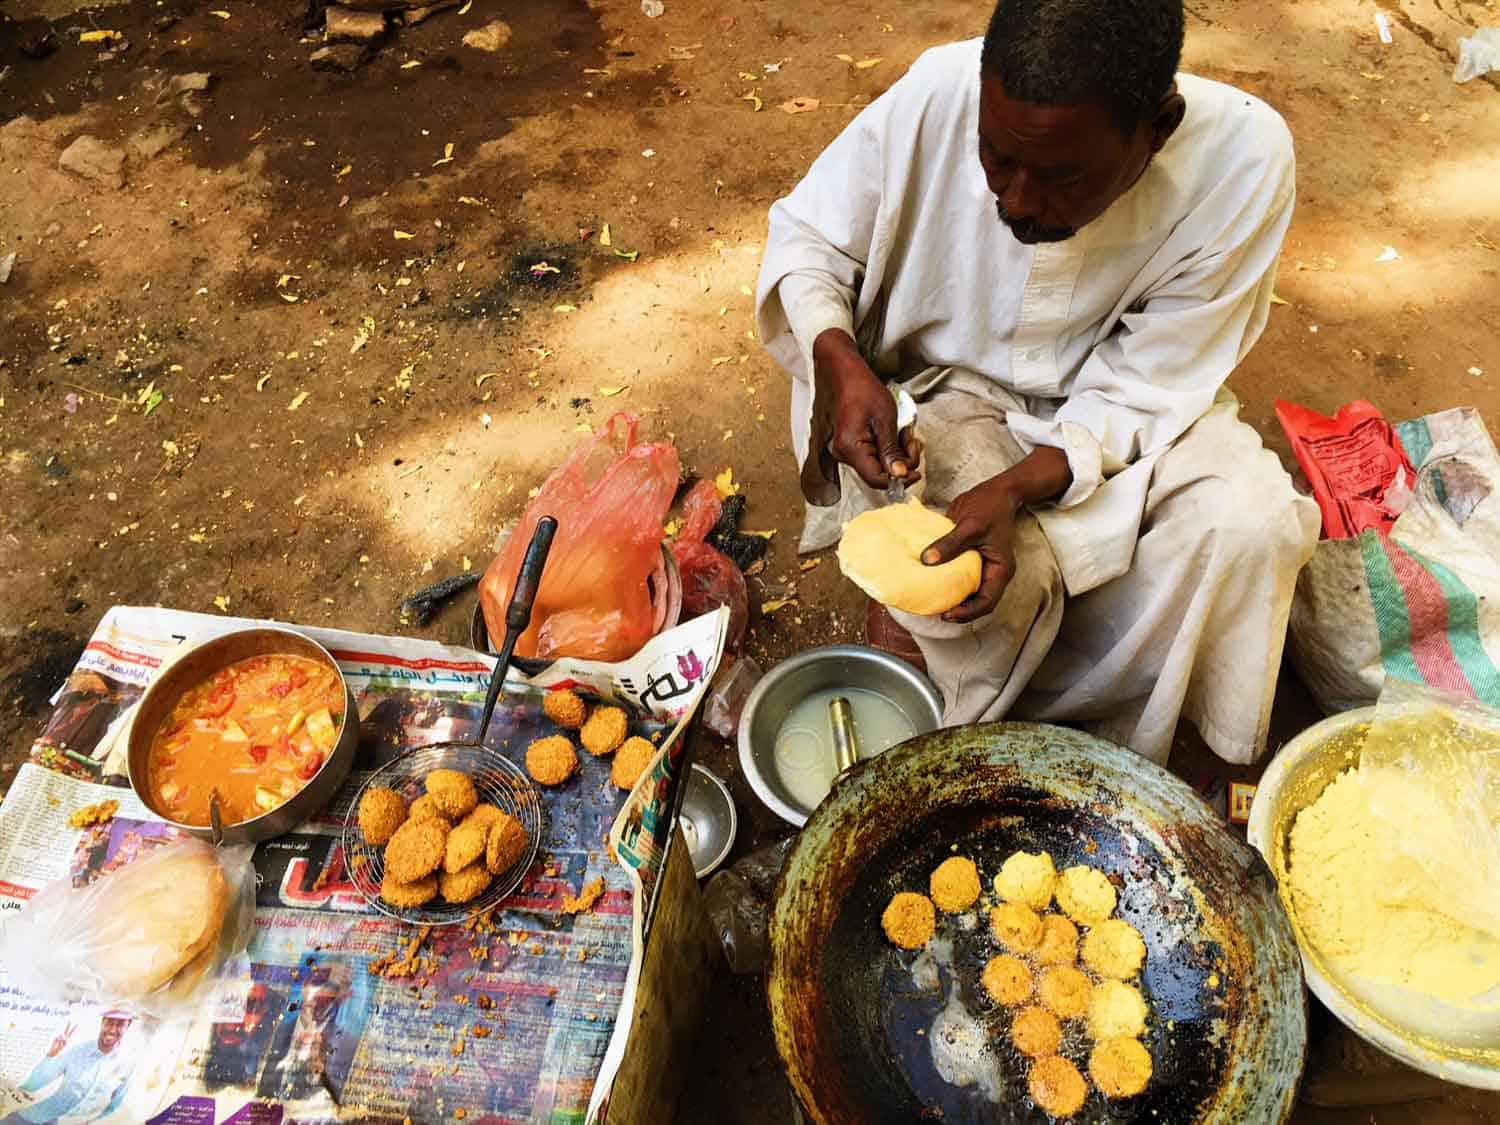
(216, 707)
(310, 766)
(260, 752)
(281, 690)
(284, 745)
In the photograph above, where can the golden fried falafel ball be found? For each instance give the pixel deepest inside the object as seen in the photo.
(484, 815)
(426, 807)
(1056, 1086)
(1015, 926)
(465, 884)
(466, 843)
(416, 850)
(407, 896)
(605, 731)
(909, 920)
(631, 762)
(551, 760)
(1065, 990)
(1114, 949)
(1059, 944)
(453, 791)
(1085, 895)
(1027, 878)
(506, 845)
(1006, 979)
(566, 708)
(381, 812)
(1035, 1032)
(1120, 1067)
(1116, 1010)
(954, 884)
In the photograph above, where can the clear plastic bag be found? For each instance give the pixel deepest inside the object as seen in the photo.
(610, 498)
(738, 901)
(1478, 54)
(87, 945)
(709, 577)
(1432, 764)
(736, 677)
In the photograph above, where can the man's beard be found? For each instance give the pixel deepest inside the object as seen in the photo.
(1030, 232)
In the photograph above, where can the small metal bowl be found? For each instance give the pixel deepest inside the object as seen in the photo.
(192, 668)
(708, 820)
(794, 679)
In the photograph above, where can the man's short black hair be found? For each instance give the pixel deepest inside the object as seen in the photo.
(1118, 54)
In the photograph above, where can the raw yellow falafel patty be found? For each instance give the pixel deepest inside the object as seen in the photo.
(1116, 1010)
(551, 760)
(1120, 1067)
(1085, 895)
(405, 896)
(1059, 944)
(604, 731)
(909, 920)
(1027, 878)
(1065, 990)
(465, 884)
(381, 812)
(507, 844)
(954, 884)
(1015, 926)
(1114, 949)
(416, 850)
(1006, 979)
(453, 791)
(1056, 1086)
(465, 845)
(1035, 1032)
(631, 762)
(565, 708)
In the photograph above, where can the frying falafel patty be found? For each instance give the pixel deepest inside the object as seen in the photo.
(909, 920)
(1006, 979)
(1035, 1032)
(1085, 895)
(1015, 926)
(1057, 1086)
(1065, 990)
(1027, 878)
(1059, 944)
(381, 812)
(1116, 1010)
(954, 884)
(1120, 1067)
(1114, 949)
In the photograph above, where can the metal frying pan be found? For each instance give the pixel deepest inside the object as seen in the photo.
(498, 780)
(854, 1017)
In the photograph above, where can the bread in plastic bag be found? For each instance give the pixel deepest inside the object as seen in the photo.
(1444, 752)
(154, 935)
(610, 498)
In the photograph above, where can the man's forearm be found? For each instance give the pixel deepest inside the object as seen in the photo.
(1042, 475)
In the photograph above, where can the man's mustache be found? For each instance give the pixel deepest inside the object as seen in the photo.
(1030, 231)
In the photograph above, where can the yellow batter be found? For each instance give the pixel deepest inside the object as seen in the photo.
(1345, 872)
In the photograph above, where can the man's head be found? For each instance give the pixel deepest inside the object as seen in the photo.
(1076, 96)
(112, 1029)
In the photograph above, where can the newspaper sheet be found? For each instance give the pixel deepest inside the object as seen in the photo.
(519, 1017)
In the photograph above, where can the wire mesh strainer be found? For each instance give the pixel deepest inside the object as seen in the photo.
(497, 780)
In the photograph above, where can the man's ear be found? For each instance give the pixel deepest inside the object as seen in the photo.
(1167, 117)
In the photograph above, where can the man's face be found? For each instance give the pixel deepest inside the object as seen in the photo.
(110, 1031)
(1055, 168)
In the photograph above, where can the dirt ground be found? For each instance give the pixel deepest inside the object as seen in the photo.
(302, 361)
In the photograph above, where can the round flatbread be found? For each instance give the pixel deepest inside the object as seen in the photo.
(881, 553)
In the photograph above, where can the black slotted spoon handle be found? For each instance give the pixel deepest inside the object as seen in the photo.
(518, 611)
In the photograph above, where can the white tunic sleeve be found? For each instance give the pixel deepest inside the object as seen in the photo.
(1158, 372)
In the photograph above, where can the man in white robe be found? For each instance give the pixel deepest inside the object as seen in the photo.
(1061, 249)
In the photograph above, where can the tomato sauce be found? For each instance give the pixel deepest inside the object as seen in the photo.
(257, 731)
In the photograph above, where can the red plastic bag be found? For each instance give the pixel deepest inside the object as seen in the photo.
(1359, 471)
(609, 498)
(709, 577)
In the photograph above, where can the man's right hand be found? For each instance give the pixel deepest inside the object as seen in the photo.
(861, 418)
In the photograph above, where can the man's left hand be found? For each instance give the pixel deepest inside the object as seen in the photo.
(985, 521)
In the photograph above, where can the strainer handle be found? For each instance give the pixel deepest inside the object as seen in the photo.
(518, 612)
